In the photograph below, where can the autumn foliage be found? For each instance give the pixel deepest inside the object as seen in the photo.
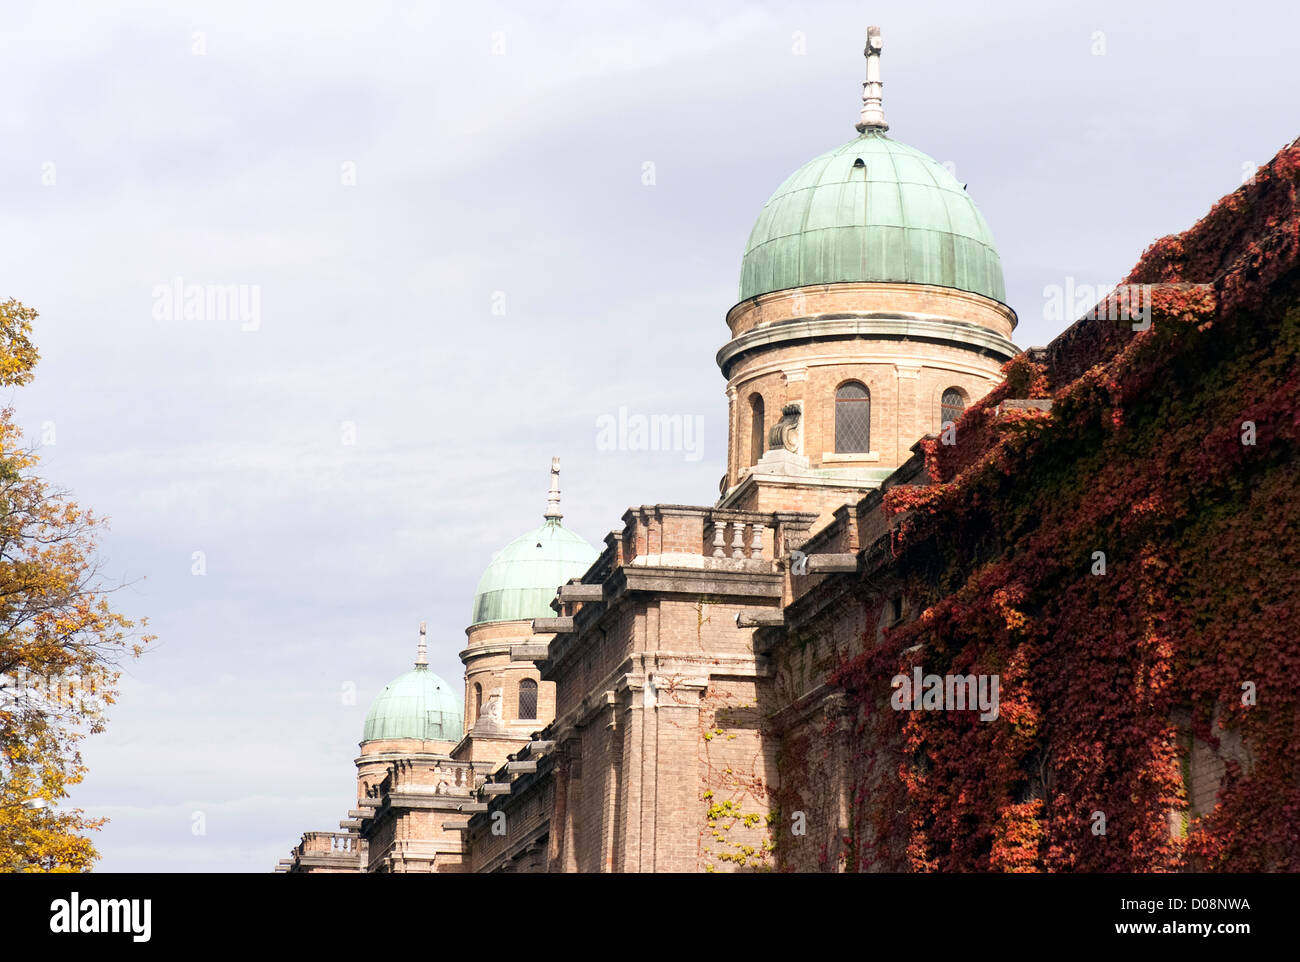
(1173, 452)
(59, 642)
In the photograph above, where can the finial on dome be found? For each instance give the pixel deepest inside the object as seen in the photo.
(873, 114)
(553, 499)
(422, 651)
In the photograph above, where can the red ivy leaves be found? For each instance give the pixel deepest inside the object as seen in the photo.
(1105, 679)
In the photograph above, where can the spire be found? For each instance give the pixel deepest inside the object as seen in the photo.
(553, 499)
(873, 114)
(422, 651)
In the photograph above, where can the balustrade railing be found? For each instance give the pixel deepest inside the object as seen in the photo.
(746, 538)
(328, 843)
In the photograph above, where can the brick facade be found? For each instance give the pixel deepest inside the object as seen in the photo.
(688, 721)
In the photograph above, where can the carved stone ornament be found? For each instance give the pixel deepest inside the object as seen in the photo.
(785, 432)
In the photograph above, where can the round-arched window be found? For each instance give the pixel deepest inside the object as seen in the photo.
(757, 418)
(527, 699)
(852, 418)
(951, 405)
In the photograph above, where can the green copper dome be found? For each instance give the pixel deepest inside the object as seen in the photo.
(417, 704)
(871, 210)
(520, 582)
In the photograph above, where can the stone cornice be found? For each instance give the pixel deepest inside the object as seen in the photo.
(868, 353)
(852, 479)
(492, 648)
(898, 326)
(426, 801)
(397, 754)
(926, 300)
(743, 578)
(684, 670)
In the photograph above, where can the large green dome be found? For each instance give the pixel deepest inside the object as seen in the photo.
(871, 210)
(417, 704)
(520, 582)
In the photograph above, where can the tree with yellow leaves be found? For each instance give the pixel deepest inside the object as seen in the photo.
(60, 641)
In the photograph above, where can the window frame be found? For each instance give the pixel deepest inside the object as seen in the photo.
(527, 685)
(757, 427)
(944, 407)
(842, 443)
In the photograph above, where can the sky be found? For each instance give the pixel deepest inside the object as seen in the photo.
(463, 235)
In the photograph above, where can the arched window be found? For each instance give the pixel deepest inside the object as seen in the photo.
(478, 701)
(951, 405)
(528, 698)
(756, 433)
(852, 419)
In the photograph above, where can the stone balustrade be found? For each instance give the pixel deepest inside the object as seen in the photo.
(327, 843)
(746, 537)
(431, 776)
(687, 536)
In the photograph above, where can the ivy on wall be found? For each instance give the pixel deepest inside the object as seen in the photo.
(1169, 455)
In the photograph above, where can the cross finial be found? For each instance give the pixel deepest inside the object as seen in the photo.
(422, 650)
(553, 499)
(872, 116)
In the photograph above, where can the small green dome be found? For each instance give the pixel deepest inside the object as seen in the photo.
(520, 582)
(417, 704)
(871, 210)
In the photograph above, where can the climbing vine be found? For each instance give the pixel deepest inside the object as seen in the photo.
(737, 800)
(1126, 559)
